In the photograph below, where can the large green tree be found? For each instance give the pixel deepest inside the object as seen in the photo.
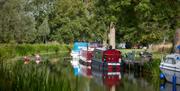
(73, 20)
(136, 21)
(139, 21)
(15, 23)
(155, 20)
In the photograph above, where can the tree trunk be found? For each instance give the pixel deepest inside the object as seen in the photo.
(112, 35)
(177, 40)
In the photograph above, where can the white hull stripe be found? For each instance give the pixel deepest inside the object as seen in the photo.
(171, 69)
(114, 73)
(113, 63)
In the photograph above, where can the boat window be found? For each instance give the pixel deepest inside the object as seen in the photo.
(98, 55)
(170, 61)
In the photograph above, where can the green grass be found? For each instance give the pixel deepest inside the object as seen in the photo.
(26, 49)
(8, 51)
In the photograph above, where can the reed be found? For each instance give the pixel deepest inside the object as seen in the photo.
(46, 76)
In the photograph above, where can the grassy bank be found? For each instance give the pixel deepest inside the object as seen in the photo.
(8, 51)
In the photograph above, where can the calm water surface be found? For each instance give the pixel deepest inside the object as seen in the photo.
(59, 74)
(92, 80)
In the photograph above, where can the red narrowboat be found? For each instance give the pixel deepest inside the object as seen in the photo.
(106, 60)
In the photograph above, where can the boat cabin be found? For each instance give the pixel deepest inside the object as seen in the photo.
(86, 53)
(109, 56)
(76, 49)
(78, 45)
(108, 60)
(171, 59)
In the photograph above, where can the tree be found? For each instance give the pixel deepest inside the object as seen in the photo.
(43, 30)
(16, 23)
(72, 20)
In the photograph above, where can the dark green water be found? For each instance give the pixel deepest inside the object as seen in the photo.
(58, 74)
(128, 80)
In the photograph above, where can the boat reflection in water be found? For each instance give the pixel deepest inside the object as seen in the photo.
(166, 86)
(89, 79)
(108, 79)
(102, 79)
(85, 71)
(75, 65)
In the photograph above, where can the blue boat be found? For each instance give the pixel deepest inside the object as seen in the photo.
(75, 53)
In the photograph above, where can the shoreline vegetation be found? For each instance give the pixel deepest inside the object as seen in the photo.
(8, 51)
(47, 76)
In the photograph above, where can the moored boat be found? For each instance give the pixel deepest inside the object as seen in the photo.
(170, 67)
(106, 60)
(75, 53)
(86, 54)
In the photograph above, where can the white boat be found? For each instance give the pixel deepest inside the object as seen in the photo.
(170, 66)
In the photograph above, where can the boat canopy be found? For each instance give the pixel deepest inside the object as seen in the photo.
(78, 45)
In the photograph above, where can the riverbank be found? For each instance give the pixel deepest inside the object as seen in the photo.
(9, 51)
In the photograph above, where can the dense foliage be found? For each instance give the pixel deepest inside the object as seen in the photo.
(136, 21)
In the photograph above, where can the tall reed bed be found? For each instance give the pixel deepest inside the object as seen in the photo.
(46, 76)
(152, 71)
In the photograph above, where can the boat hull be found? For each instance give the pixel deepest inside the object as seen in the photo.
(105, 67)
(170, 72)
(75, 55)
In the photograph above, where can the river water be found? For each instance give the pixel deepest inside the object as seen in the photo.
(59, 74)
(93, 80)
